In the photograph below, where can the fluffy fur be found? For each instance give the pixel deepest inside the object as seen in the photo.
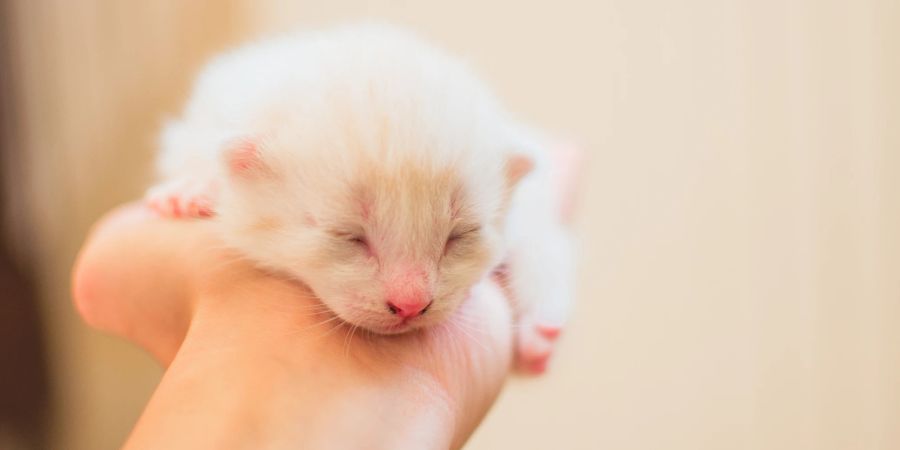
(371, 166)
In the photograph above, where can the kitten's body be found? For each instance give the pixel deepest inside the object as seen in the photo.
(377, 170)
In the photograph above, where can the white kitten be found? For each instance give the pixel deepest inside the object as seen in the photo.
(379, 171)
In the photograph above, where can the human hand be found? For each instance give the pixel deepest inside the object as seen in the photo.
(256, 361)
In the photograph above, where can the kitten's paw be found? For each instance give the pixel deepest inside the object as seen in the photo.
(534, 346)
(182, 198)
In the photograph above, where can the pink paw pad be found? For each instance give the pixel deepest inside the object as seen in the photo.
(182, 199)
(533, 359)
(199, 207)
(535, 347)
(549, 332)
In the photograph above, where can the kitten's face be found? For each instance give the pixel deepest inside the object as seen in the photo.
(392, 249)
(400, 251)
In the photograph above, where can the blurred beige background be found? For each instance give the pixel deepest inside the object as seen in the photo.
(740, 267)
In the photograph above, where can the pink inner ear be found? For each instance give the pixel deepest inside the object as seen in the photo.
(244, 158)
(517, 166)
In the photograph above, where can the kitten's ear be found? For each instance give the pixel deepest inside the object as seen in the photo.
(517, 167)
(244, 161)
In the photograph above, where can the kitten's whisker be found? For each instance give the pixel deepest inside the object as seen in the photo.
(339, 325)
(468, 335)
(314, 325)
(349, 341)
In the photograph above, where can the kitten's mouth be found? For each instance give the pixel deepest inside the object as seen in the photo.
(400, 327)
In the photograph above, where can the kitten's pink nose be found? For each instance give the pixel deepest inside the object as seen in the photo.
(409, 307)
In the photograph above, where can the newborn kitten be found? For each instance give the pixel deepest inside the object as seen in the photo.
(380, 172)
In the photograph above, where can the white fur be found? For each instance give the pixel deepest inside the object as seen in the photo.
(371, 115)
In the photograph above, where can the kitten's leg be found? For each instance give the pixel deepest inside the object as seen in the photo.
(188, 153)
(184, 197)
(541, 276)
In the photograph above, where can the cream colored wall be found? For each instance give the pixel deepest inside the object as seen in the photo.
(96, 79)
(739, 224)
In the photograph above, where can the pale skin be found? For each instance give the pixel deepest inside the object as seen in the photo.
(255, 361)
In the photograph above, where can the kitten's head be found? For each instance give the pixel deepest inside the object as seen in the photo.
(380, 176)
(388, 244)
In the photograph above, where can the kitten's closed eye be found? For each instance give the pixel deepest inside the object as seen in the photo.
(361, 244)
(460, 235)
(349, 237)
